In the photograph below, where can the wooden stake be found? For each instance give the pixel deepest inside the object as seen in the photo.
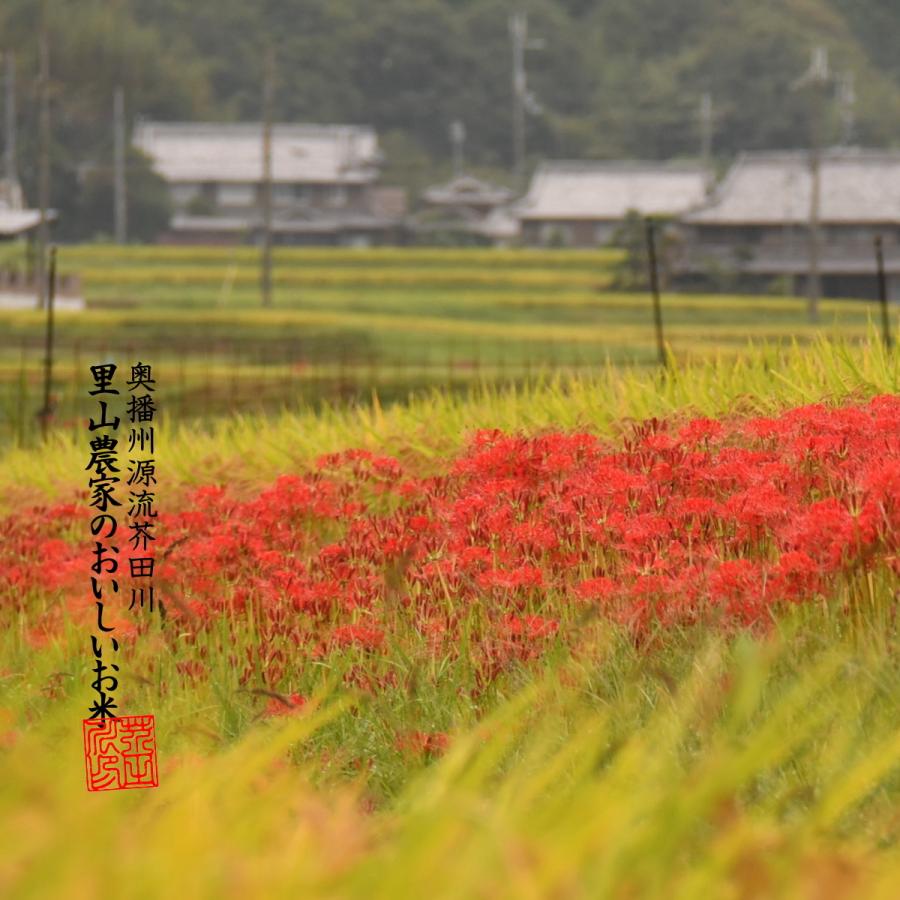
(654, 288)
(883, 293)
(48, 345)
(43, 164)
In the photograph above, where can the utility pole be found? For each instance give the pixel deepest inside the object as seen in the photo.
(653, 268)
(706, 138)
(523, 100)
(458, 139)
(120, 203)
(9, 155)
(883, 292)
(43, 164)
(47, 410)
(518, 30)
(266, 194)
(817, 79)
(814, 288)
(847, 106)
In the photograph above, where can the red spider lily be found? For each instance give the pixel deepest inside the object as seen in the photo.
(597, 589)
(796, 577)
(674, 523)
(430, 743)
(529, 627)
(283, 706)
(524, 576)
(191, 669)
(357, 635)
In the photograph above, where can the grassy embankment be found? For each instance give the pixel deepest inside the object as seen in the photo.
(348, 321)
(697, 767)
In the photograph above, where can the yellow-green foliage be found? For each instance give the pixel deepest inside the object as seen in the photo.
(764, 379)
(336, 276)
(434, 327)
(111, 255)
(706, 768)
(762, 772)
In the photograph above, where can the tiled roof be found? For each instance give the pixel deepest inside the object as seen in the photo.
(18, 221)
(609, 190)
(198, 152)
(857, 186)
(467, 189)
(314, 224)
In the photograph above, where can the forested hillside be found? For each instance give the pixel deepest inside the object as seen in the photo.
(617, 78)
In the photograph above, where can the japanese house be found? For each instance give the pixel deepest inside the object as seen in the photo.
(583, 204)
(466, 210)
(324, 182)
(757, 222)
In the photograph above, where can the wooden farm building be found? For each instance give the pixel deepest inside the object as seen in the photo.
(466, 209)
(757, 222)
(324, 182)
(15, 220)
(19, 287)
(582, 204)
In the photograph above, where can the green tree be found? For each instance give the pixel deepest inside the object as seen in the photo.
(622, 78)
(148, 206)
(632, 272)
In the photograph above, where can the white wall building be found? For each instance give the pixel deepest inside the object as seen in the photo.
(323, 180)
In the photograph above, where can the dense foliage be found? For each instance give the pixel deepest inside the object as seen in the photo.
(698, 522)
(621, 78)
(541, 701)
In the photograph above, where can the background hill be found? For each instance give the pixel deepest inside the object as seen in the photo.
(621, 78)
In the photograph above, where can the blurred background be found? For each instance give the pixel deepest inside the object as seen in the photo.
(316, 202)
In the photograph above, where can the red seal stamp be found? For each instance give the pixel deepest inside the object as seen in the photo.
(120, 753)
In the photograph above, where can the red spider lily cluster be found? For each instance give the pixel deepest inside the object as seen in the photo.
(279, 705)
(419, 743)
(498, 554)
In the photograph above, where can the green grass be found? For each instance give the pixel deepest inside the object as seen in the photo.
(757, 768)
(348, 321)
(702, 767)
(107, 255)
(342, 345)
(764, 379)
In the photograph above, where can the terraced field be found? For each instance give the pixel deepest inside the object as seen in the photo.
(347, 322)
(626, 635)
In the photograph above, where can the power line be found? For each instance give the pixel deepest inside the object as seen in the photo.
(47, 410)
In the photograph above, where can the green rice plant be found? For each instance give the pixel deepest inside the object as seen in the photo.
(763, 379)
(700, 766)
(375, 257)
(755, 767)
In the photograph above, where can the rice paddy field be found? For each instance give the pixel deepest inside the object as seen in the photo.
(347, 323)
(622, 633)
(459, 594)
